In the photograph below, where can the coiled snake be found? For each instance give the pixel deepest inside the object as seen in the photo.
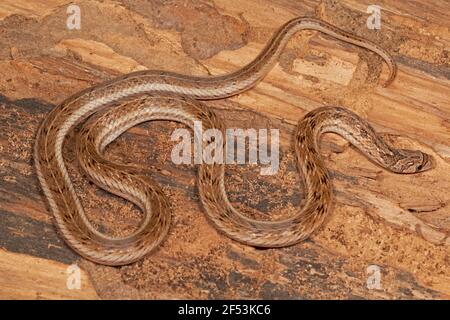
(149, 95)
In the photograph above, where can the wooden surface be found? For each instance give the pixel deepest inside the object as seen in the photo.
(400, 223)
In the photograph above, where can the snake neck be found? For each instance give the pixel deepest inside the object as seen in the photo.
(361, 135)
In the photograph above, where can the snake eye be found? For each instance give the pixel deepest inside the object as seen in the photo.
(419, 167)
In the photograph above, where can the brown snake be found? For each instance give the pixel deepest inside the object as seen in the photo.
(149, 95)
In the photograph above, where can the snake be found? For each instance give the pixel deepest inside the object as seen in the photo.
(116, 105)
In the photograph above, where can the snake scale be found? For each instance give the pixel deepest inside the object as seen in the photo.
(161, 95)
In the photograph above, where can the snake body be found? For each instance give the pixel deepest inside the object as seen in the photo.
(149, 95)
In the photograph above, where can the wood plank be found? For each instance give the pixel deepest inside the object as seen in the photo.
(27, 277)
(399, 223)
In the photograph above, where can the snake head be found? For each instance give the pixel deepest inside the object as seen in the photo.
(413, 161)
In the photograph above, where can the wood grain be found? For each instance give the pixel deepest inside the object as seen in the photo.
(27, 277)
